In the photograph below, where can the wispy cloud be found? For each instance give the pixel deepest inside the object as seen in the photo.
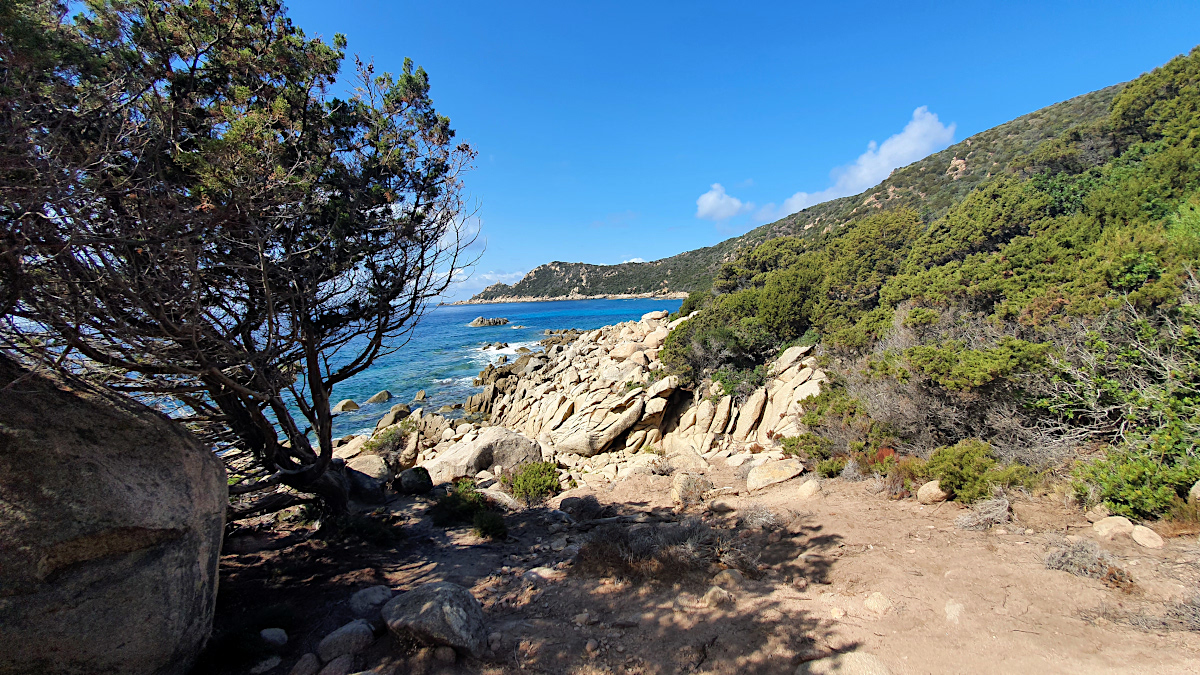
(718, 206)
(923, 135)
(636, 260)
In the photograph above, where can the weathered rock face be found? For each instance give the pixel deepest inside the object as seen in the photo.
(111, 520)
(494, 445)
(439, 614)
(344, 405)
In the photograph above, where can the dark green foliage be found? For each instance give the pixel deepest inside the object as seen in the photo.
(491, 525)
(832, 467)
(388, 441)
(459, 505)
(532, 483)
(953, 366)
(808, 445)
(968, 472)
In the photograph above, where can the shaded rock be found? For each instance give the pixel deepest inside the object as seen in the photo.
(276, 637)
(348, 640)
(588, 440)
(342, 665)
(931, 493)
(439, 614)
(445, 655)
(309, 664)
(582, 508)
(770, 473)
(420, 396)
(381, 397)
(1112, 526)
(366, 603)
(850, 663)
(345, 405)
(266, 665)
(415, 481)
(110, 522)
(1146, 537)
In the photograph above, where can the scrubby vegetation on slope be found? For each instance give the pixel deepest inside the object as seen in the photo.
(929, 187)
(1051, 310)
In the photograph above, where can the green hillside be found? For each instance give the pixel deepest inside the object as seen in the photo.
(1040, 312)
(930, 186)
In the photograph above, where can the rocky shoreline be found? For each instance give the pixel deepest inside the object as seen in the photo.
(573, 296)
(600, 406)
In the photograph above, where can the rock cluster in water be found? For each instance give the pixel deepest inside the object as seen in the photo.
(483, 321)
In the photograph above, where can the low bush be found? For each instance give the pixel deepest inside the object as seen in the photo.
(809, 446)
(968, 472)
(984, 515)
(386, 442)
(459, 505)
(832, 467)
(532, 483)
(491, 525)
(1084, 558)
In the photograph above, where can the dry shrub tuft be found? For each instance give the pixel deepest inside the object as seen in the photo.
(691, 489)
(984, 514)
(759, 517)
(1085, 559)
(667, 552)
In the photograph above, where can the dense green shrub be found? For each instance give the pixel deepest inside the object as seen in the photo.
(491, 525)
(388, 441)
(808, 445)
(968, 472)
(832, 467)
(459, 505)
(532, 483)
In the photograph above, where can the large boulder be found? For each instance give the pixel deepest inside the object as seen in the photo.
(439, 614)
(414, 481)
(111, 519)
(345, 405)
(587, 440)
(381, 397)
(773, 472)
(493, 445)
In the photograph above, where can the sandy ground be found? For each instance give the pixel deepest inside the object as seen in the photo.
(960, 601)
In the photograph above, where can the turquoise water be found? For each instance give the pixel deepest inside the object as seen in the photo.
(445, 355)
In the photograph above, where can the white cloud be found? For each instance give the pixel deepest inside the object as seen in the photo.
(923, 135)
(639, 260)
(716, 205)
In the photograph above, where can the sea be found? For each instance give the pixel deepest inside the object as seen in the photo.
(445, 355)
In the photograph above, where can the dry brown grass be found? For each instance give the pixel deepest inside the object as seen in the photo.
(1086, 559)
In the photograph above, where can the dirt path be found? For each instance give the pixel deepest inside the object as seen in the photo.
(953, 600)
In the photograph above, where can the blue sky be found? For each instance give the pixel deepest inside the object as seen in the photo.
(610, 131)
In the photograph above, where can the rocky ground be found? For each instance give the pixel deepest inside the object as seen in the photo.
(686, 542)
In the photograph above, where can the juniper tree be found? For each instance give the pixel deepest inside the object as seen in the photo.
(189, 213)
